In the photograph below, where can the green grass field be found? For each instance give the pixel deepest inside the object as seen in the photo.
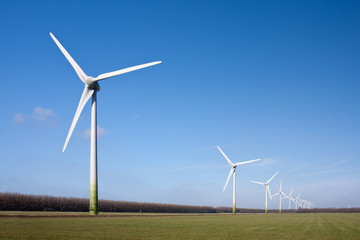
(175, 226)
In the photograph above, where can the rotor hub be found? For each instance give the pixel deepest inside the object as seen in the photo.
(95, 86)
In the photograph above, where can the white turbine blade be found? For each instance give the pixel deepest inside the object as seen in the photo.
(227, 159)
(268, 189)
(78, 70)
(125, 70)
(272, 177)
(291, 192)
(241, 163)
(280, 185)
(231, 172)
(83, 100)
(275, 194)
(258, 182)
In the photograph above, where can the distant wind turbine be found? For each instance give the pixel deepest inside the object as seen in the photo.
(297, 201)
(305, 203)
(267, 189)
(90, 90)
(290, 197)
(309, 204)
(280, 193)
(232, 171)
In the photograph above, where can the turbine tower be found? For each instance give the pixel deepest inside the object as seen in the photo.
(232, 171)
(280, 193)
(267, 189)
(90, 90)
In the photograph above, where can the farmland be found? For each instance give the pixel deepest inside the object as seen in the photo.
(32, 225)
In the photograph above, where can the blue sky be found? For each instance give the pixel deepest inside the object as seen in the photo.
(276, 80)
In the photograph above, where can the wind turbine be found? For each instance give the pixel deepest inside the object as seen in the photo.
(267, 189)
(306, 203)
(310, 204)
(280, 193)
(90, 90)
(290, 197)
(232, 171)
(297, 201)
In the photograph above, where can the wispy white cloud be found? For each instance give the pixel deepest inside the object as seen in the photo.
(320, 168)
(100, 132)
(19, 118)
(339, 191)
(266, 162)
(43, 115)
(39, 115)
(317, 173)
(336, 164)
(301, 167)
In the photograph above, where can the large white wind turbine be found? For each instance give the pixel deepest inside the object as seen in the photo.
(232, 171)
(267, 189)
(281, 194)
(90, 89)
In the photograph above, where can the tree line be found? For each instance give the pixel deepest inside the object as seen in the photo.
(25, 202)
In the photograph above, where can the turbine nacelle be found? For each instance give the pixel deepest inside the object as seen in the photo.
(93, 85)
(88, 80)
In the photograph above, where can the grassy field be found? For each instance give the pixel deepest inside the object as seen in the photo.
(175, 226)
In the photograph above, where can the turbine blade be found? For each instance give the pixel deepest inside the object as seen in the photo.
(227, 159)
(231, 172)
(83, 100)
(76, 67)
(268, 189)
(275, 194)
(272, 177)
(241, 163)
(280, 185)
(258, 182)
(291, 192)
(125, 70)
